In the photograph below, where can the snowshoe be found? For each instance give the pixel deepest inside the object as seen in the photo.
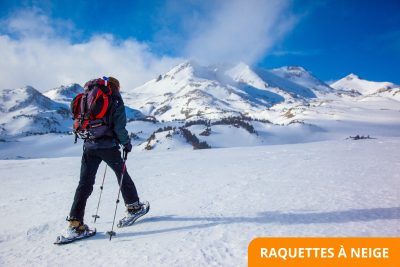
(134, 212)
(61, 240)
(76, 231)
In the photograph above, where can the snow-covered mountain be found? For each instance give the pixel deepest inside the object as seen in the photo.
(354, 83)
(302, 77)
(191, 91)
(223, 105)
(291, 96)
(64, 94)
(25, 111)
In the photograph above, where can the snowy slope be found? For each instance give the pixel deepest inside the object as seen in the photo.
(317, 121)
(354, 83)
(41, 146)
(327, 121)
(206, 206)
(304, 78)
(26, 111)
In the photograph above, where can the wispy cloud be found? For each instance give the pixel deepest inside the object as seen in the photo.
(38, 51)
(239, 31)
(302, 53)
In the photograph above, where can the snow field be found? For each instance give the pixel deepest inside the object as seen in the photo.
(206, 206)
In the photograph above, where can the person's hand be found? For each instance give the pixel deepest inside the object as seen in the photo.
(128, 147)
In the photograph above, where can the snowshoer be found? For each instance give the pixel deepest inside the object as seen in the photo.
(103, 145)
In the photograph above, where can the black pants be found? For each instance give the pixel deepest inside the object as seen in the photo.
(91, 160)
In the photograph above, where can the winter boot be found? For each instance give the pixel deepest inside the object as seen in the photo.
(133, 212)
(75, 228)
(131, 209)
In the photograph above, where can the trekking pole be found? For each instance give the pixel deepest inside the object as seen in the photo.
(125, 156)
(101, 191)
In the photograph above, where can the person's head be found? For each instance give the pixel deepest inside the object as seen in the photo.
(114, 83)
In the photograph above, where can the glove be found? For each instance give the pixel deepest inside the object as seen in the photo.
(128, 147)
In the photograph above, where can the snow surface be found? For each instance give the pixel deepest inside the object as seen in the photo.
(206, 205)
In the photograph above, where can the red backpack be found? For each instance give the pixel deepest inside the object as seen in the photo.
(90, 108)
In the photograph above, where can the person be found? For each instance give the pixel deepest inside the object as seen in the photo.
(107, 149)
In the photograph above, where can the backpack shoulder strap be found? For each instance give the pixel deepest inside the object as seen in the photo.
(105, 107)
(113, 107)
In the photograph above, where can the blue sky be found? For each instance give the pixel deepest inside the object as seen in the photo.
(338, 37)
(331, 38)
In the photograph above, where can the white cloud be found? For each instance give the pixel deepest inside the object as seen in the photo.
(240, 30)
(40, 51)
(29, 23)
(35, 53)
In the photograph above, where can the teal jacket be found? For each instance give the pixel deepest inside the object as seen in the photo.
(119, 120)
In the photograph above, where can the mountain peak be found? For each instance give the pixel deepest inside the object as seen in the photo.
(353, 82)
(187, 66)
(302, 77)
(30, 90)
(243, 73)
(352, 76)
(294, 70)
(64, 93)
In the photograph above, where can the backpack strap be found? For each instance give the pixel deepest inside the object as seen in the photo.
(113, 107)
(104, 109)
(82, 114)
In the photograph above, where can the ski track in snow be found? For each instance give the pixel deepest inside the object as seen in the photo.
(206, 206)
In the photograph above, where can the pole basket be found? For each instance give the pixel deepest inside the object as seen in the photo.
(111, 234)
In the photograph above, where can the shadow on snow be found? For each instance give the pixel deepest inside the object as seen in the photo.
(284, 218)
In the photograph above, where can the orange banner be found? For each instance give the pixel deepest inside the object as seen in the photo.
(324, 252)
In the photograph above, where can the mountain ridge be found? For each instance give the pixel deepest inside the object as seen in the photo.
(218, 89)
(25, 111)
(190, 92)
